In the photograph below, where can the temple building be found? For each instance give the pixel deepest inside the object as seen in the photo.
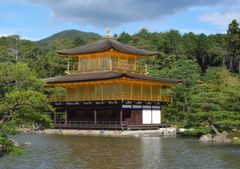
(106, 87)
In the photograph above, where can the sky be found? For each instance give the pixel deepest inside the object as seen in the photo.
(37, 19)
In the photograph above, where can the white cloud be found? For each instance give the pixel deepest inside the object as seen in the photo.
(7, 32)
(224, 16)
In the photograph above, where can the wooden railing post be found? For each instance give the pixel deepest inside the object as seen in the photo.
(110, 64)
(121, 114)
(65, 117)
(68, 66)
(54, 118)
(95, 116)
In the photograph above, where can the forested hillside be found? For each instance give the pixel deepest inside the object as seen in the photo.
(209, 66)
(72, 35)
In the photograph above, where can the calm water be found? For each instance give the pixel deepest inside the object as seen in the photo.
(64, 152)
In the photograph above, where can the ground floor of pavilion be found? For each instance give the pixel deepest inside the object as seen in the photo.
(108, 115)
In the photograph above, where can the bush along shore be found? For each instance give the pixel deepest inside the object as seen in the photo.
(206, 136)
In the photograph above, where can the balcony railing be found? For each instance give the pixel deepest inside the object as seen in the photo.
(107, 66)
(124, 125)
(110, 97)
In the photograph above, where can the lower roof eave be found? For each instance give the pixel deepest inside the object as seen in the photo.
(105, 76)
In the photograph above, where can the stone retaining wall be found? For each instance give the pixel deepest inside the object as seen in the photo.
(161, 132)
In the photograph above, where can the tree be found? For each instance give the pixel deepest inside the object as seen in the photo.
(233, 47)
(124, 37)
(201, 51)
(189, 43)
(22, 102)
(189, 72)
(216, 56)
(14, 46)
(216, 101)
(9, 48)
(51, 64)
(78, 42)
(172, 42)
(143, 34)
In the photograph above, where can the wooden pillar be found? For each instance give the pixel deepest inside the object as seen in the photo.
(110, 62)
(151, 93)
(121, 115)
(131, 90)
(135, 64)
(122, 94)
(54, 118)
(65, 117)
(95, 92)
(68, 65)
(95, 116)
(102, 92)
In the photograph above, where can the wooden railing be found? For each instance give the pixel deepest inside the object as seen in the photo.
(117, 125)
(110, 97)
(91, 124)
(107, 66)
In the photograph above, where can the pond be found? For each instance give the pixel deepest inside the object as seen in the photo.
(72, 152)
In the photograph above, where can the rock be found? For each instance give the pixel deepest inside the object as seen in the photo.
(206, 138)
(38, 131)
(27, 143)
(169, 132)
(102, 132)
(221, 138)
(236, 140)
(235, 130)
(14, 142)
(181, 129)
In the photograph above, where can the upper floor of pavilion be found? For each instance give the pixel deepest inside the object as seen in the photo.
(106, 55)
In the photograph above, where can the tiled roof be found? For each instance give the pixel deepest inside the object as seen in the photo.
(105, 44)
(104, 76)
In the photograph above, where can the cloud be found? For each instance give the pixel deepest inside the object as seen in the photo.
(224, 16)
(102, 13)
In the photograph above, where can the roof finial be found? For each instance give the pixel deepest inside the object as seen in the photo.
(108, 33)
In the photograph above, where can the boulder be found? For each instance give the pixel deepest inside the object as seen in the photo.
(221, 138)
(14, 142)
(206, 138)
(236, 140)
(27, 143)
(136, 135)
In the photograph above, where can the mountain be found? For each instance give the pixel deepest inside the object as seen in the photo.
(67, 34)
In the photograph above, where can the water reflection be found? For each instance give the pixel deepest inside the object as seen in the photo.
(61, 152)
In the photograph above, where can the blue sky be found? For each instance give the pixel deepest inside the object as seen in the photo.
(37, 19)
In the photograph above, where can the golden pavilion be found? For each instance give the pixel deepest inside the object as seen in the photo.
(106, 87)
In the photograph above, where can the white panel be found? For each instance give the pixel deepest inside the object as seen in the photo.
(156, 116)
(146, 117)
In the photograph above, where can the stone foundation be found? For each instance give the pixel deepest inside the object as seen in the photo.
(167, 132)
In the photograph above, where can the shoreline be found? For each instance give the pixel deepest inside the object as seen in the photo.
(162, 132)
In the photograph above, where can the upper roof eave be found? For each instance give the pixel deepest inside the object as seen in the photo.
(105, 44)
